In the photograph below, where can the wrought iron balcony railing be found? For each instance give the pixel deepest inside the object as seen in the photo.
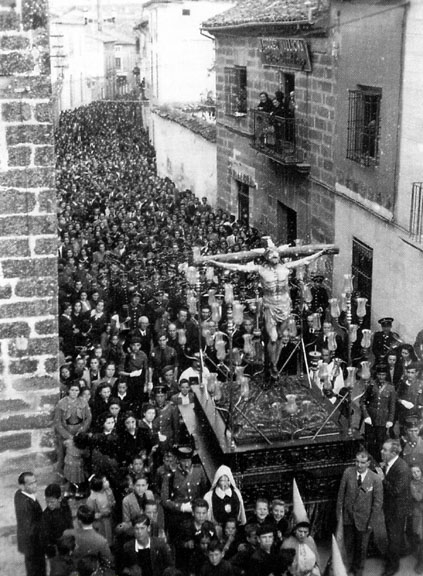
(416, 212)
(277, 137)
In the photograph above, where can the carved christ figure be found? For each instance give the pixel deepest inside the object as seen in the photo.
(276, 298)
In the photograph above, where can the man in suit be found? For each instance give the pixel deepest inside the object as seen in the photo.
(359, 504)
(28, 518)
(396, 499)
(150, 554)
(89, 541)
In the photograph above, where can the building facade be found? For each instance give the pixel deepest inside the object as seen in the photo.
(179, 63)
(378, 156)
(342, 163)
(276, 172)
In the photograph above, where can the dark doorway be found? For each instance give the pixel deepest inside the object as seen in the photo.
(287, 225)
(362, 270)
(243, 203)
(287, 85)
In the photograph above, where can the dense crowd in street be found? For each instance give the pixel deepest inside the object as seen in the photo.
(135, 336)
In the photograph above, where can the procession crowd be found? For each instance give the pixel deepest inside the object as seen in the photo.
(135, 336)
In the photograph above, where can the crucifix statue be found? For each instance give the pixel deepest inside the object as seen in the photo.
(273, 276)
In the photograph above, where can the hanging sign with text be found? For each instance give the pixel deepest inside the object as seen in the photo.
(286, 52)
(243, 173)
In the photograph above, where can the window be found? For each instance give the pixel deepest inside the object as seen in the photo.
(287, 224)
(118, 63)
(186, 12)
(364, 125)
(236, 91)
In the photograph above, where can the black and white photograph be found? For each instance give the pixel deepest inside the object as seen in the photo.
(211, 273)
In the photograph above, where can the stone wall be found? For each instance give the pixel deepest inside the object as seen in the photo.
(28, 239)
(310, 196)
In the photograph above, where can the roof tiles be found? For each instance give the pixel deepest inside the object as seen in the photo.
(249, 12)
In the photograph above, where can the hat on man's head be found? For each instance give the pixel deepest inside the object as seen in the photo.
(168, 368)
(184, 452)
(411, 423)
(136, 340)
(387, 321)
(160, 390)
(381, 368)
(317, 277)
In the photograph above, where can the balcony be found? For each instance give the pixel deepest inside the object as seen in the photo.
(416, 213)
(277, 138)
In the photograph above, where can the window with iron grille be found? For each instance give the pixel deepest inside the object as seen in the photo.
(364, 125)
(236, 91)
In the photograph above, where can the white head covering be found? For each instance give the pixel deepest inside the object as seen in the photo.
(225, 471)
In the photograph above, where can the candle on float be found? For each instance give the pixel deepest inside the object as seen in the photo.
(348, 283)
(334, 308)
(366, 338)
(229, 293)
(292, 327)
(238, 312)
(361, 307)
(353, 332)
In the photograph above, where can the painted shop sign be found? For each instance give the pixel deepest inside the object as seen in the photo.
(242, 173)
(287, 52)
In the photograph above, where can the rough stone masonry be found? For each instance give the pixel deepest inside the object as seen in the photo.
(28, 240)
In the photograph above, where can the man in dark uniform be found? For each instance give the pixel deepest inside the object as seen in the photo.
(166, 422)
(378, 405)
(412, 444)
(181, 488)
(384, 340)
(28, 518)
(410, 396)
(122, 296)
(135, 311)
(319, 293)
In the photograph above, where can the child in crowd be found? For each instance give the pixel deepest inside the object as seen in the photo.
(261, 512)
(200, 554)
(241, 560)
(230, 538)
(278, 520)
(216, 564)
(57, 517)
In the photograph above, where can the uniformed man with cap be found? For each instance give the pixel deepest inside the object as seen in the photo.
(412, 444)
(320, 299)
(122, 296)
(410, 396)
(135, 311)
(166, 422)
(378, 405)
(385, 339)
(181, 488)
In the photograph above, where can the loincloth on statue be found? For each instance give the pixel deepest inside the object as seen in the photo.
(276, 309)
